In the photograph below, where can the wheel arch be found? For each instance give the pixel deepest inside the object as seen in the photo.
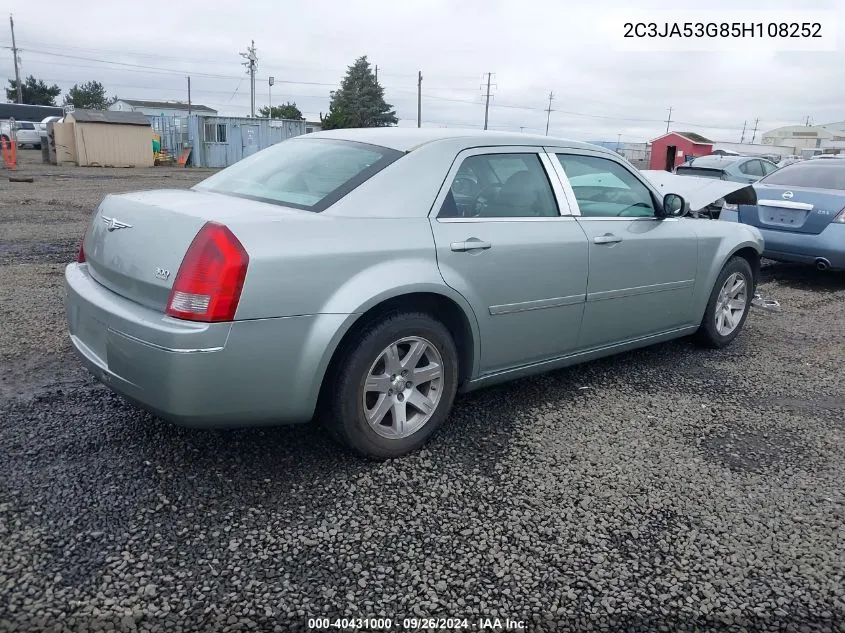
(752, 256)
(448, 308)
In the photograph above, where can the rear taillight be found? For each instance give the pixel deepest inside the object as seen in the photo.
(840, 217)
(209, 282)
(80, 256)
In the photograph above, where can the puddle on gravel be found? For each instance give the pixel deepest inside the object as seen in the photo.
(755, 451)
(52, 252)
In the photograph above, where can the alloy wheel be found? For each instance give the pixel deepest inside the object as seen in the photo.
(403, 387)
(731, 303)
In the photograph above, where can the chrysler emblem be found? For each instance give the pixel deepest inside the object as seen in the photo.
(787, 195)
(113, 224)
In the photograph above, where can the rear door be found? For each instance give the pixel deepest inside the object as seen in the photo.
(642, 269)
(751, 170)
(506, 240)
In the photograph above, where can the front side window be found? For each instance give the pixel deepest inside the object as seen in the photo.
(606, 189)
(500, 186)
(304, 173)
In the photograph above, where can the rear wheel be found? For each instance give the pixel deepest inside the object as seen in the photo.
(392, 389)
(728, 306)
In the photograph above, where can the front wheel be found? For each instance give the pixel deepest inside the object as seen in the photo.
(392, 389)
(728, 306)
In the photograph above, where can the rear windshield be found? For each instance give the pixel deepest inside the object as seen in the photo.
(826, 176)
(701, 173)
(304, 173)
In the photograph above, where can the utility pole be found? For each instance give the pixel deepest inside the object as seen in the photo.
(15, 56)
(808, 120)
(742, 136)
(189, 96)
(271, 81)
(251, 64)
(419, 98)
(754, 135)
(669, 120)
(549, 112)
(376, 73)
(487, 101)
(618, 139)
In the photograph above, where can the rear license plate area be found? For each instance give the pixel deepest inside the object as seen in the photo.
(782, 217)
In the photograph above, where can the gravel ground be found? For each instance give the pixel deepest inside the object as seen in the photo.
(667, 489)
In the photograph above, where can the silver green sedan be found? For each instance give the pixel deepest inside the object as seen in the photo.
(364, 277)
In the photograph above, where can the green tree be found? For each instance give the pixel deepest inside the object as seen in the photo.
(89, 96)
(284, 111)
(359, 102)
(34, 92)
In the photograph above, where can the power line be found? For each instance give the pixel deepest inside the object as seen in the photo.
(274, 62)
(149, 69)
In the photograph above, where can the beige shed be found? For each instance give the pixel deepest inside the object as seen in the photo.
(104, 138)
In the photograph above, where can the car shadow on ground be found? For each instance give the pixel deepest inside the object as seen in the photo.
(802, 277)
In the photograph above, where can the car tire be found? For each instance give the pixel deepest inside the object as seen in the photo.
(722, 323)
(363, 404)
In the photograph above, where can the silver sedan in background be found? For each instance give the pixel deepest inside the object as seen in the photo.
(365, 276)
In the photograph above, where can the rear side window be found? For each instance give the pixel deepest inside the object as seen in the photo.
(752, 168)
(310, 174)
(813, 175)
(500, 186)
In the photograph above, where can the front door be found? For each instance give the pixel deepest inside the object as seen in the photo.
(671, 157)
(249, 139)
(642, 268)
(520, 261)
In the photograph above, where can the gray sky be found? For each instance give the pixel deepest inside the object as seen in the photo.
(532, 47)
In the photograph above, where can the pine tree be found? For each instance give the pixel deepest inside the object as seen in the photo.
(359, 102)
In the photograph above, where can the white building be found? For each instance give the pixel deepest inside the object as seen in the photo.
(756, 149)
(160, 108)
(801, 137)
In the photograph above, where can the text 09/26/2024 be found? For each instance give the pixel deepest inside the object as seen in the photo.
(417, 624)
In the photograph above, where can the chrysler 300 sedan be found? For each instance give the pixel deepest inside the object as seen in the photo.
(364, 277)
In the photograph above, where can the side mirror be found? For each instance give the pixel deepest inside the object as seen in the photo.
(674, 206)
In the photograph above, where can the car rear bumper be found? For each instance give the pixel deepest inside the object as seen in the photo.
(802, 248)
(244, 373)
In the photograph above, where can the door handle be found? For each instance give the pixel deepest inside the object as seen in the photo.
(607, 238)
(471, 244)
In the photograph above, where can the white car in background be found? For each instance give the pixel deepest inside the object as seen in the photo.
(42, 127)
(26, 133)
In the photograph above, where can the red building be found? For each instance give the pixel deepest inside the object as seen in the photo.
(675, 148)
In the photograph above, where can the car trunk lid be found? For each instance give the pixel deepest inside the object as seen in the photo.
(792, 209)
(137, 241)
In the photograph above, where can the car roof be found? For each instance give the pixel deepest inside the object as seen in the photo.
(407, 139)
(716, 161)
